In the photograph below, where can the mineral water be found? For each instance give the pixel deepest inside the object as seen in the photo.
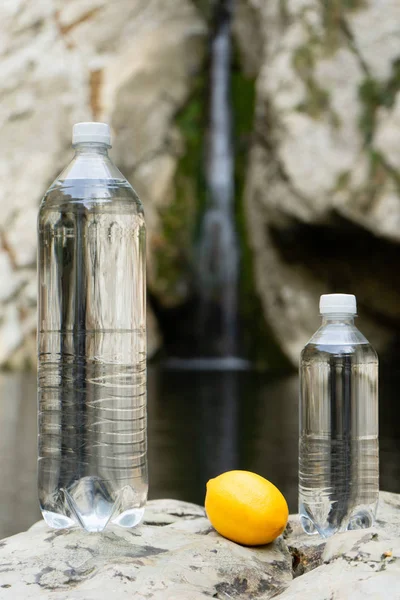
(338, 445)
(92, 343)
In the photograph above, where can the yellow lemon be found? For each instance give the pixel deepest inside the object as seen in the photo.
(246, 508)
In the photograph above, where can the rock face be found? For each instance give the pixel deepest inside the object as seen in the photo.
(175, 554)
(322, 181)
(322, 191)
(132, 64)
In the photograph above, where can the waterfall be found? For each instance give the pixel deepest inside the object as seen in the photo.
(218, 256)
(212, 342)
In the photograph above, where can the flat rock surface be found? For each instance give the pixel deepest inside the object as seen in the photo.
(175, 554)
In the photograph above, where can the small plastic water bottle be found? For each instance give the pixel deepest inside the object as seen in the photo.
(92, 342)
(338, 446)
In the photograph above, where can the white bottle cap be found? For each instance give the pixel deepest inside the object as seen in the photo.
(338, 304)
(91, 132)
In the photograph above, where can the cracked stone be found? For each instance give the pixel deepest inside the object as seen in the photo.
(156, 561)
(175, 553)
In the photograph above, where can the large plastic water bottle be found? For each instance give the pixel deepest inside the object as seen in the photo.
(92, 342)
(338, 448)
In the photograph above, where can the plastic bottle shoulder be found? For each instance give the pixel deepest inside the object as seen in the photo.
(339, 339)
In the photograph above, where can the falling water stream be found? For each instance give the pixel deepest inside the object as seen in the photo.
(215, 345)
(218, 256)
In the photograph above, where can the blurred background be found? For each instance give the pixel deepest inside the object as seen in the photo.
(263, 137)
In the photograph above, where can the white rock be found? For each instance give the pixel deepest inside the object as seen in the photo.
(157, 560)
(9, 281)
(352, 565)
(288, 90)
(315, 166)
(376, 32)
(10, 333)
(129, 63)
(314, 157)
(175, 553)
(341, 74)
(298, 7)
(21, 239)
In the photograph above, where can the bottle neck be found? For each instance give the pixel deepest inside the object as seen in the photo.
(91, 148)
(345, 319)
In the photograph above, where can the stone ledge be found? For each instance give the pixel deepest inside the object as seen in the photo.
(175, 554)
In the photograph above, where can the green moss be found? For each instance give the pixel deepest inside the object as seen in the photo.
(377, 172)
(205, 8)
(333, 12)
(258, 338)
(373, 94)
(333, 8)
(377, 177)
(191, 121)
(173, 253)
(304, 61)
(342, 181)
(243, 103)
(393, 85)
(284, 12)
(369, 94)
(316, 101)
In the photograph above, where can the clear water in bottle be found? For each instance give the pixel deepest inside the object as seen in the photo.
(338, 444)
(92, 344)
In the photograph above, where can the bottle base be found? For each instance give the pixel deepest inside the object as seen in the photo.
(91, 503)
(57, 521)
(91, 523)
(129, 518)
(308, 526)
(362, 519)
